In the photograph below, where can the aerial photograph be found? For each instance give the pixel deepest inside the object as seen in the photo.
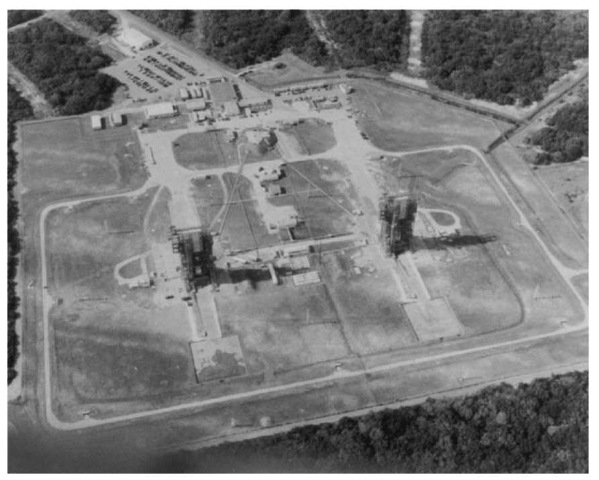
(297, 241)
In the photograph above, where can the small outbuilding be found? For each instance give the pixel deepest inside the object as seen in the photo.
(96, 122)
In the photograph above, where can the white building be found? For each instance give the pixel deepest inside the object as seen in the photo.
(160, 110)
(135, 39)
(117, 119)
(196, 104)
(96, 122)
(183, 93)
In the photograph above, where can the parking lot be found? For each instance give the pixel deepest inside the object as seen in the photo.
(158, 73)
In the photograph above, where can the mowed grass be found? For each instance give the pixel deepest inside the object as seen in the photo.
(66, 158)
(489, 283)
(373, 318)
(110, 342)
(283, 327)
(204, 150)
(312, 136)
(293, 69)
(321, 192)
(243, 227)
(401, 121)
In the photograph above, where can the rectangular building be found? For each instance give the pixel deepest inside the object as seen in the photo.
(135, 39)
(117, 119)
(196, 92)
(96, 122)
(196, 104)
(160, 110)
(183, 93)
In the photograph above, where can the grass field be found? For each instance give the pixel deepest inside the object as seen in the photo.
(131, 269)
(400, 121)
(368, 304)
(488, 282)
(66, 158)
(569, 183)
(283, 327)
(294, 70)
(561, 238)
(199, 151)
(311, 137)
(143, 348)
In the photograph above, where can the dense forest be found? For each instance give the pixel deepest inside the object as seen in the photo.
(566, 138)
(16, 17)
(175, 22)
(99, 20)
(62, 66)
(18, 109)
(537, 427)
(240, 38)
(378, 38)
(506, 57)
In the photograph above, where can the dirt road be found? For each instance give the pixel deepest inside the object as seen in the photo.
(41, 107)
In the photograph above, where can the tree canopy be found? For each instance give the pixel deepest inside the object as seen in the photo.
(539, 427)
(99, 20)
(506, 57)
(566, 138)
(378, 38)
(16, 17)
(244, 37)
(175, 22)
(18, 109)
(62, 66)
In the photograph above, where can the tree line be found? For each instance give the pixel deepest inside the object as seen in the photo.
(99, 20)
(175, 22)
(18, 109)
(541, 427)
(62, 66)
(508, 57)
(240, 38)
(16, 17)
(566, 137)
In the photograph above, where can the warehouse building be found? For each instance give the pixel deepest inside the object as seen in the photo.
(135, 39)
(161, 110)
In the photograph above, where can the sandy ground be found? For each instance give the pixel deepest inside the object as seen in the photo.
(416, 21)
